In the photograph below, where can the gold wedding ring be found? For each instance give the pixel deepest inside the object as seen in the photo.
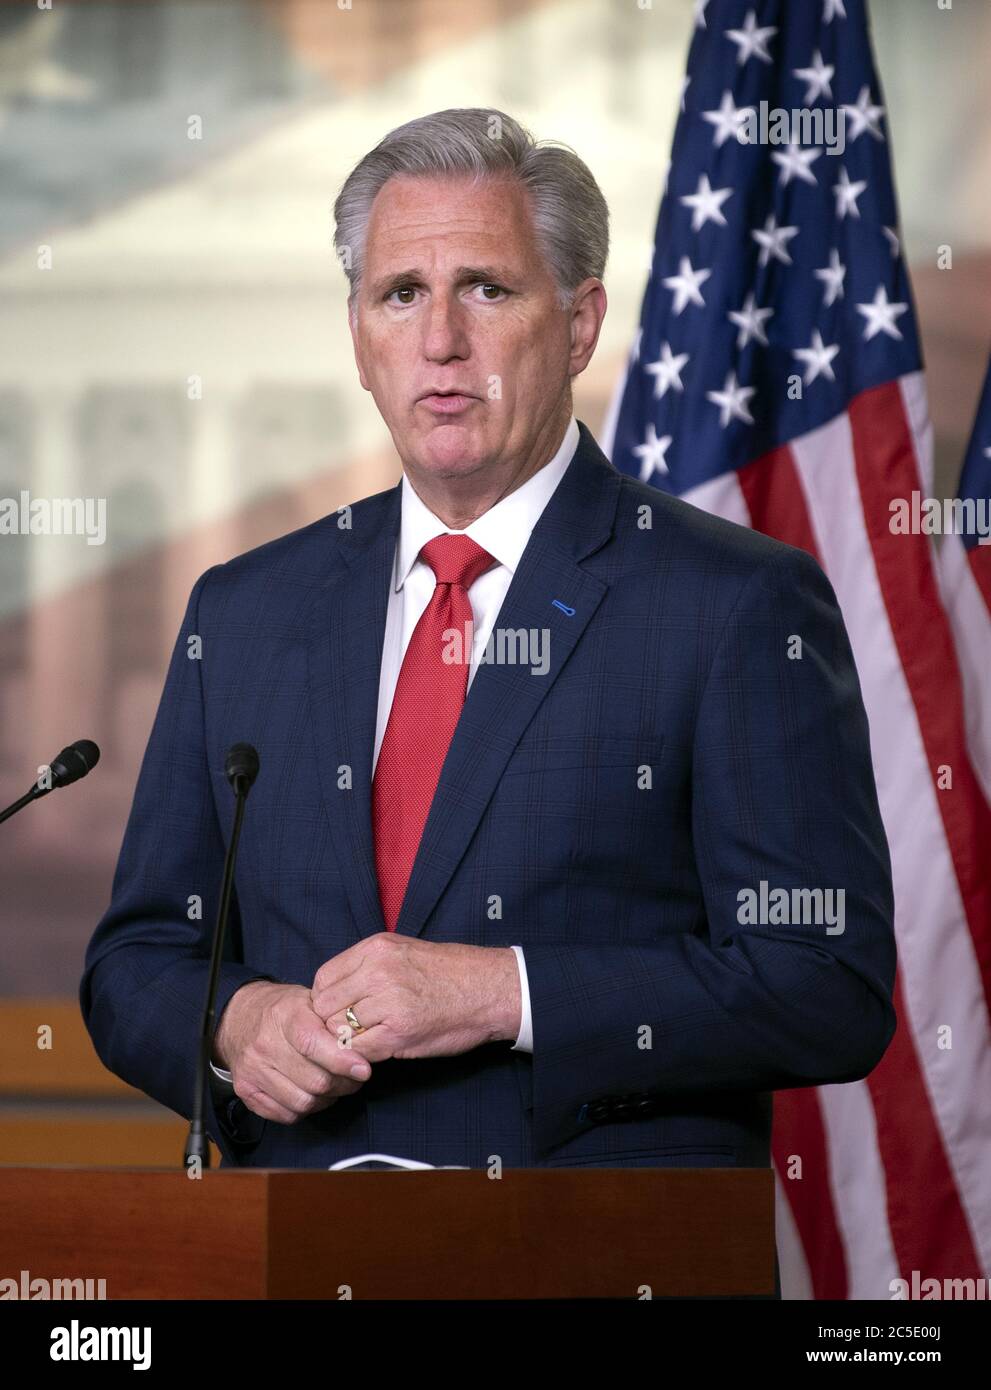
(352, 1018)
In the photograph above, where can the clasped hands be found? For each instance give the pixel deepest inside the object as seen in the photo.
(291, 1050)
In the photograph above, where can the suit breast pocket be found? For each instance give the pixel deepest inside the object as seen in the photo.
(550, 754)
(595, 791)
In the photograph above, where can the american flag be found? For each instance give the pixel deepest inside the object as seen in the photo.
(776, 379)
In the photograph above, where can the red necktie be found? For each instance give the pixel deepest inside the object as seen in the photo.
(429, 697)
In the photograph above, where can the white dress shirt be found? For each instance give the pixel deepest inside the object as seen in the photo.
(503, 531)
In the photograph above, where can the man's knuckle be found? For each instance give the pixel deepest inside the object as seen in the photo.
(323, 1085)
(302, 1039)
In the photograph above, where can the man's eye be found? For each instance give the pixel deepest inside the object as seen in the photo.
(497, 291)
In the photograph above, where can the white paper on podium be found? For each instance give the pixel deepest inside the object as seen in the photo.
(387, 1161)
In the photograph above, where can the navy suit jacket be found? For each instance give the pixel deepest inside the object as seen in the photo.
(605, 816)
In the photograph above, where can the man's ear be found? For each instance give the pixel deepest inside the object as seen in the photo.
(587, 312)
(352, 325)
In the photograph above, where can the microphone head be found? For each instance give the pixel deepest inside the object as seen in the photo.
(241, 766)
(74, 762)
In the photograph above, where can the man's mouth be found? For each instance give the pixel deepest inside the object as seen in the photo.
(447, 402)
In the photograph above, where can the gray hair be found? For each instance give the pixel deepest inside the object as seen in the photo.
(570, 216)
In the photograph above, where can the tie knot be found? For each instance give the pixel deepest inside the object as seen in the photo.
(456, 559)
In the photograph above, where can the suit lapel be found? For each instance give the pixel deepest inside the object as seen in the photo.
(347, 629)
(345, 662)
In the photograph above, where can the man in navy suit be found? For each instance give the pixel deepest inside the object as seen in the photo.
(556, 772)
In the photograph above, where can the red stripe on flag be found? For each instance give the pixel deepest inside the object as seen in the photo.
(886, 469)
(798, 1130)
(773, 493)
(979, 559)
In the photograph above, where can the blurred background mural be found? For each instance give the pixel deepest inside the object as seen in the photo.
(173, 334)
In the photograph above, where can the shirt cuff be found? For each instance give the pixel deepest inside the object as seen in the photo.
(524, 1041)
(224, 1075)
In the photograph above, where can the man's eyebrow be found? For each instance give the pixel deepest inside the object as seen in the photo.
(464, 275)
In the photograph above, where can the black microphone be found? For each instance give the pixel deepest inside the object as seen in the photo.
(241, 769)
(74, 762)
(71, 764)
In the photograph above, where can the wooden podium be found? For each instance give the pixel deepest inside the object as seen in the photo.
(426, 1234)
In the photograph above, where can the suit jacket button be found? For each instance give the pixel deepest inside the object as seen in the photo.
(625, 1108)
(599, 1110)
(647, 1105)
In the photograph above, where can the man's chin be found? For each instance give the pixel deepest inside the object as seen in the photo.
(449, 450)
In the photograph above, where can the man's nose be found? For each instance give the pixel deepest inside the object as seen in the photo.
(446, 333)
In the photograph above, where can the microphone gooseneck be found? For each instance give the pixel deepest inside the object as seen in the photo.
(241, 769)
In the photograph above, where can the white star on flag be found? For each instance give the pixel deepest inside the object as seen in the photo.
(893, 241)
(750, 321)
(684, 88)
(864, 116)
(700, 8)
(666, 371)
(729, 119)
(651, 453)
(752, 42)
(831, 8)
(635, 350)
(847, 194)
(794, 162)
(832, 276)
(705, 203)
(732, 401)
(771, 240)
(817, 357)
(686, 284)
(881, 315)
(818, 77)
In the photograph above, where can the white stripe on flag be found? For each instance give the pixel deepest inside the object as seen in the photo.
(722, 496)
(916, 403)
(796, 1282)
(857, 1178)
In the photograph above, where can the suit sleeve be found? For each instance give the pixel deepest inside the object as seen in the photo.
(782, 791)
(144, 983)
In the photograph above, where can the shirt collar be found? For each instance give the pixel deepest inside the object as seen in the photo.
(503, 530)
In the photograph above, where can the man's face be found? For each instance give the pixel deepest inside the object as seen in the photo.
(456, 298)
